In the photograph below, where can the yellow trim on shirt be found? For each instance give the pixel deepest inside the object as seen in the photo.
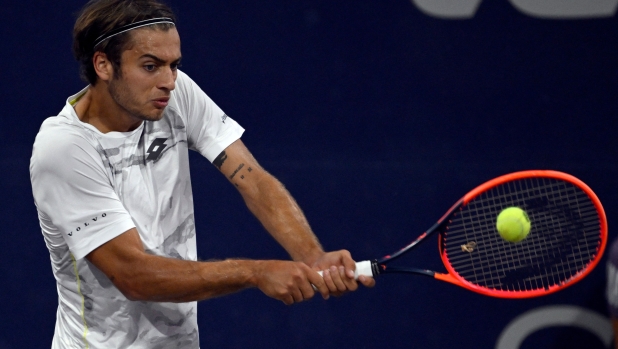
(79, 291)
(77, 98)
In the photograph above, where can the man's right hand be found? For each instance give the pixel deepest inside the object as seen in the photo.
(289, 282)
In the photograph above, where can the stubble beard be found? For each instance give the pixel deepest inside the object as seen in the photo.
(124, 98)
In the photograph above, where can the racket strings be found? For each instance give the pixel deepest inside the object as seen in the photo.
(564, 236)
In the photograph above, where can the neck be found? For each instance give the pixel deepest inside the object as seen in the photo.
(98, 108)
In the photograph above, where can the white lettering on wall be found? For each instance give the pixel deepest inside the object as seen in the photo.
(564, 9)
(448, 9)
(548, 9)
(529, 322)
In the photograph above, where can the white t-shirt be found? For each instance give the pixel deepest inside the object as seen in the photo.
(90, 187)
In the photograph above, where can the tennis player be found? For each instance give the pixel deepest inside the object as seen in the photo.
(110, 179)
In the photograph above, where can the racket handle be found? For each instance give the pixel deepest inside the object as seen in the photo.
(362, 268)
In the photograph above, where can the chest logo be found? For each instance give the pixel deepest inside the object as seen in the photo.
(156, 148)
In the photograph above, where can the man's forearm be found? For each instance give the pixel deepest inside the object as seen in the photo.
(270, 202)
(277, 210)
(154, 278)
(142, 276)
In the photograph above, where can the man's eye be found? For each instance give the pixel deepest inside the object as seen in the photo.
(149, 67)
(175, 66)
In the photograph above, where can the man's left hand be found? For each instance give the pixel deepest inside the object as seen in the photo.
(338, 272)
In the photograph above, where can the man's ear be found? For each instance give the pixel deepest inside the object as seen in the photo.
(102, 66)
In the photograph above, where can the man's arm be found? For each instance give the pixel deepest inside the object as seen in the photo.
(142, 276)
(275, 208)
(270, 202)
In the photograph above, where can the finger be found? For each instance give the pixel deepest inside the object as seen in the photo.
(297, 295)
(367, 281)
(348, 263)
(328, 281)
(287, 300)
(350, 283)
(307, 290)
(318, 284)
(336, 275)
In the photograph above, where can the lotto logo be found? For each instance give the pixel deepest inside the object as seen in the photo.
(549, 9)
(156, 148)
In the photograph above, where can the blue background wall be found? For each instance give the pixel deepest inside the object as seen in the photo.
(377, 116)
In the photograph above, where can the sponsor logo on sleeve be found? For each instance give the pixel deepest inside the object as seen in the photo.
(87, 223)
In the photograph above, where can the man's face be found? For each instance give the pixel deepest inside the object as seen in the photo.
(149, 70)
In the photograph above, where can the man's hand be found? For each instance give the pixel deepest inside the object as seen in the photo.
(289, 282)
(338, 272)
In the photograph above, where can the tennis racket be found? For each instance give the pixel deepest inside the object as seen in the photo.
(566, 241)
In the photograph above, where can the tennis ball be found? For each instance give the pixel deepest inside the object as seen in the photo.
(513, 224)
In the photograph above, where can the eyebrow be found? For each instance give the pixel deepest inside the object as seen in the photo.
(157, 59)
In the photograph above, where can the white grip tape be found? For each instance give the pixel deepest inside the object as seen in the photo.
(362, 268)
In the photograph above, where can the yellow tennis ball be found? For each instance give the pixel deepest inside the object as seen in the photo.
(513, 224)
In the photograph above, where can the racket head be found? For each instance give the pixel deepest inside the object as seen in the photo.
(567, 238)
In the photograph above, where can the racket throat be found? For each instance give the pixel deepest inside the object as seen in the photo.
(385, 269)
(447, 278)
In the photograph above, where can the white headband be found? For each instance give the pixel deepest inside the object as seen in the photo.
(126, 28)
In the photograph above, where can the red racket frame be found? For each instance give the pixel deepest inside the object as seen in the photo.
(454, 278)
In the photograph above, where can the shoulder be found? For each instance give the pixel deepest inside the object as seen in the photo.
(59, 142)
(183, 79)
(184, 84)
(189, 99)
(58, 134)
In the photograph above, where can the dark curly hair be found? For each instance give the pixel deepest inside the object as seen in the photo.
(98, 17)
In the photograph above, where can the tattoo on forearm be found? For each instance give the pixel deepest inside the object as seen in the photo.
(248, 170)
(236, 171)
(218, 162)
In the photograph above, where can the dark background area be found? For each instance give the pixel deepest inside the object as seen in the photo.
(377, 117)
